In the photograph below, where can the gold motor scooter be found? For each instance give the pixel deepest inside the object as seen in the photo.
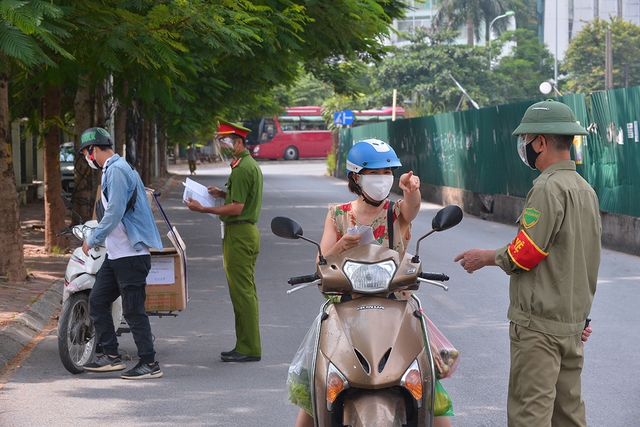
(373, 363)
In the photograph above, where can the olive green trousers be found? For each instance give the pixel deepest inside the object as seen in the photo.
(544, 382)
(240, 248)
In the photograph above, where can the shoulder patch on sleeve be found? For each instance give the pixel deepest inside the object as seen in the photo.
(530, 217)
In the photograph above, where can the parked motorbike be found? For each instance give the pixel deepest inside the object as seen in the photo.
(76, 334)
(77, 341)
(373, 364)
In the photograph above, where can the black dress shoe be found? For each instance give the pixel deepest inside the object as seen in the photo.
(238, 357)
(228, 353)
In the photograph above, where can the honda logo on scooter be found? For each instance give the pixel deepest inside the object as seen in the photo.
(369, 307)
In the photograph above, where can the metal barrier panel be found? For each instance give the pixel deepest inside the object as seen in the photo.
(474, 149)
(616, 149)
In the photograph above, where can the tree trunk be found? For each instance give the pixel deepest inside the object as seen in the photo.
(162, 147)
(132, 134)
(120, 127)
(12, 254)
(84, 190)
(54, 209)
(470, 35)
(144, 149)
(121, 121)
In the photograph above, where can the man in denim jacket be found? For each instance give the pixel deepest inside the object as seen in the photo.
(128, 230)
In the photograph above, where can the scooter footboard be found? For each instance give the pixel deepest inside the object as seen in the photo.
(373, 408)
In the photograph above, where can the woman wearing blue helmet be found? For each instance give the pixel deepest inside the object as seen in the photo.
(370, 166)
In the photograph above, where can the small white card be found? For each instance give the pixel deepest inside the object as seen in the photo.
(365, 231)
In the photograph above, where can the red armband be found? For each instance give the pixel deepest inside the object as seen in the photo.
(524, 252)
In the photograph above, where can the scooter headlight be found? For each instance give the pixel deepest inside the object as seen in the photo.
(412, 381)
(336, 383)
(370, 278)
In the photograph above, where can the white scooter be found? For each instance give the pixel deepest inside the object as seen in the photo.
(77, 341)
(76, 334)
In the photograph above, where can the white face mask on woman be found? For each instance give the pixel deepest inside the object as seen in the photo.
(377, 187)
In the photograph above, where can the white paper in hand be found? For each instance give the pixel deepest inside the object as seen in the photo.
(199, 192)
(365, 231)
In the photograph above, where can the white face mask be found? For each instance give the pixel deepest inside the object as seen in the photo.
(226, 149)
(377, 187)
(91, 163)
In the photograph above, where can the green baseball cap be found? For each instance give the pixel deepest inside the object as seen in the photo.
(551, 118)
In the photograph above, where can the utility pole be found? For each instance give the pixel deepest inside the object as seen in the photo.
(608, 63)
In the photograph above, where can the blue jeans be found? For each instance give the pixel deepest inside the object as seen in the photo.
(127, 277)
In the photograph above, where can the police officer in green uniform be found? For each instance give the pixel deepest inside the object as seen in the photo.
(553, 267)
(241, 239)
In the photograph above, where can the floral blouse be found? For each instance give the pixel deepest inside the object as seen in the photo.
(343, 218)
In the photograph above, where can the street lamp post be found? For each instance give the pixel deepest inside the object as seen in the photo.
(508, 13)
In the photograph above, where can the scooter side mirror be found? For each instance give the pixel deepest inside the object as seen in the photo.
(286, 228)
(66, 201)
(446, 218)
(69, 205)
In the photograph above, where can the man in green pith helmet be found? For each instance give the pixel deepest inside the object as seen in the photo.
(241, 239)
(553, 264)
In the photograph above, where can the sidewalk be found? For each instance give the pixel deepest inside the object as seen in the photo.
(26, 308)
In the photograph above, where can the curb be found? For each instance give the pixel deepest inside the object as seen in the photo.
(25, 326)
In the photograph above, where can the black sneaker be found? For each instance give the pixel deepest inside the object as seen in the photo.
(105, 364)
(143, 371)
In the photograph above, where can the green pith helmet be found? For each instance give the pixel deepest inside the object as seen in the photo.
(94, 136)
(551, 118)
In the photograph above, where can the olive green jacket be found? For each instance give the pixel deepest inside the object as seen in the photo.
(554, 260)
(244, 186)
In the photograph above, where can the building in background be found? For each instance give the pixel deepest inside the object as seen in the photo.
(557, 21)
(560, 20)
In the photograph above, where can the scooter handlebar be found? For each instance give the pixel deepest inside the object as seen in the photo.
(63, 232)
(303, 279)
(440, 277)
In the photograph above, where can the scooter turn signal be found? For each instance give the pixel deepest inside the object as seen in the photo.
(412, 381)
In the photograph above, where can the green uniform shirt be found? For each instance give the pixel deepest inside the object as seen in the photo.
(244, 186)
(554, 261)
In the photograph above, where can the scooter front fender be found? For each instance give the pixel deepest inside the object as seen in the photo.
(374, 408)
(80, 283)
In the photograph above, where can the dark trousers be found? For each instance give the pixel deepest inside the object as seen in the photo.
(124, 277)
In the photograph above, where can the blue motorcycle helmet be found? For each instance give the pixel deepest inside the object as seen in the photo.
(371, 154)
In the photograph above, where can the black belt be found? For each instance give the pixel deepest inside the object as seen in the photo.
(238, 222)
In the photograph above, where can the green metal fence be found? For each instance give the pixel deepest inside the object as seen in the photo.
(474, 150)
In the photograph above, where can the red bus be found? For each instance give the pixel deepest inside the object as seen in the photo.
(302, 133)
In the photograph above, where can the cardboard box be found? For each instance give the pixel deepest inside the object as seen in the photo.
(167, 280)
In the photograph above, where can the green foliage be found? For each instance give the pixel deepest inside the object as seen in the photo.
(421, 107)
(518, 75)
(30, 31)
(585, 58)
(306, 90)
(421, 72)
(423, 68)
(331, 163)
(188, 61)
